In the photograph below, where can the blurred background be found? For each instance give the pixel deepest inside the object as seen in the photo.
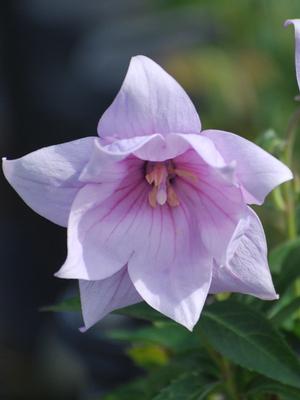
(61, 64)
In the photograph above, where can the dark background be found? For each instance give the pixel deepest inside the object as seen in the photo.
(61, 64)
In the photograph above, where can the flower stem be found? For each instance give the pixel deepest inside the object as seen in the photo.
(289, 186)
(229, 380)
(225, 368)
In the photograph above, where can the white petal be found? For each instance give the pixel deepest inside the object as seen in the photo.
(256, 170)
(246, 270)
(48, 179)
(149, 101)
(173, 272)
(296, 23)
(98, 298)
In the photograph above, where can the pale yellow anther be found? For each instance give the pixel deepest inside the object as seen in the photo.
(161, 176)
(185, 174)
(172, 197)
(150, 178)
(157, 175)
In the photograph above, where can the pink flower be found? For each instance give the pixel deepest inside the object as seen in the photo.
(156, 209)
(296, 23)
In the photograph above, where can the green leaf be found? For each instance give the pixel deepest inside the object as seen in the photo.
(279, 254)
(286, 312)
(142, 311)
(148, 356)
(289, 272)
(267, 386)
(145, 388)
(270, 141)
(188, 386)
(169, 335)
(247, 338)
(68, 305)
(139, 311)
(161, 378)
(131, 391)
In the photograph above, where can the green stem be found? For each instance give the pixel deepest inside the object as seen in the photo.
(225, 368)
(290, 211)
(229, 380)
(289, 186)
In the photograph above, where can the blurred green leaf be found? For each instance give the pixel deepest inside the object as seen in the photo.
(247, 338)
(191, 385)
(139, 311)
(148, 355)
(133, 390)
(142, 311)
(286, 312)
(290, 270)
(148, 387)
(262, 385)
(170, 335)
(270, 141)
(278, 255)
(69, 305)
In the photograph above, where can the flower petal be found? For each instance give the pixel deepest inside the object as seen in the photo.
(102, 219)
(98, 298)
(256, 170)
(246, 270)
(296, 23)
(48, 179)
(151, 148)
(149, 101)
(205, 148)
(217, 202)
(159, 148)
(172, 272)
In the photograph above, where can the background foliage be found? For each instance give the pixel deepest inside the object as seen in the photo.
(60, 67)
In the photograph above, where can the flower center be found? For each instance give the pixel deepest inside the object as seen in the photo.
(161, 176)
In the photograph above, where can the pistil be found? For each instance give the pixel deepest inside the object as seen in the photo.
(160, 176)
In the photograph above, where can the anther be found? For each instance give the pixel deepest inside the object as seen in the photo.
(185, 174)
(172, 197)
(160, 176)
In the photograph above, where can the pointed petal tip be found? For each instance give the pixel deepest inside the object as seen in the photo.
(47, 179)
(149, 101)
(141, 57)
(290, 175)
(190, 327)
(57, 274)
(290, 22)
(63, 273)
(258, 171)
(5, 166)
(271, 296)
(287, 23)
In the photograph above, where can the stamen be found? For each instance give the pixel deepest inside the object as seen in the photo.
(172, 198)
(185, 174)
(161, 176)
(157, 175)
